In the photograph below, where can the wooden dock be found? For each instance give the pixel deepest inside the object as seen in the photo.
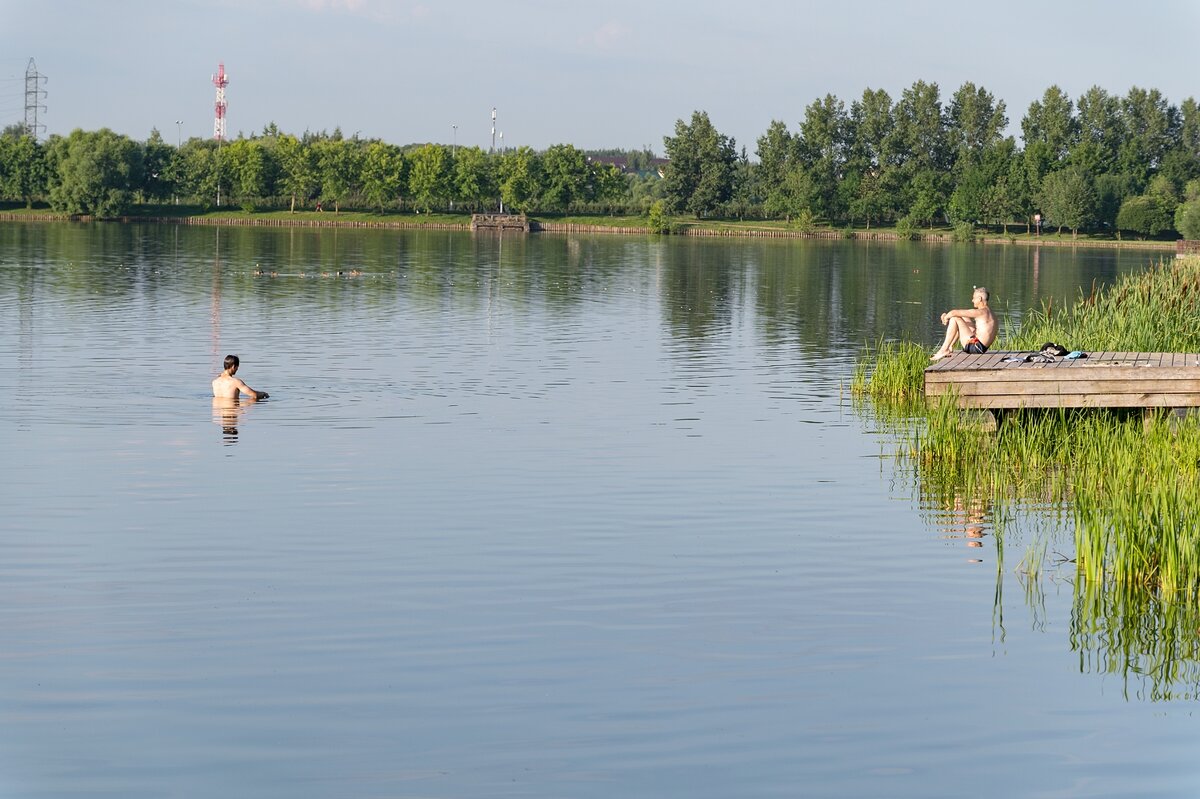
(1101, 380)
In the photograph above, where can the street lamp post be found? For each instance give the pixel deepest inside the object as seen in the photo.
(454, 147)
(178, 144)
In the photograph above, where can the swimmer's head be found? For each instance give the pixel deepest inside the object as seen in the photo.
(231, 363)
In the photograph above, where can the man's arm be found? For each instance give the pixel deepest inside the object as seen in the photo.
(964, 313)
(245, 389)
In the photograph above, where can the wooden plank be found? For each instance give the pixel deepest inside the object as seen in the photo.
(1060, 387)
(1083, 401)
(1045, 371)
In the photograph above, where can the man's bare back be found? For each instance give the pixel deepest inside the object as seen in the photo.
(228, 386)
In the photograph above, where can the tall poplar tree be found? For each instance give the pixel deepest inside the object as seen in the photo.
(699, 176)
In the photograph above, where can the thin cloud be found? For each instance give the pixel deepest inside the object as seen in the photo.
(377, 10)
(606, 37)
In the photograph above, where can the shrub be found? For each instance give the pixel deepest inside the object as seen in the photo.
(804, 221)
(1147, 214)
(964, 231)
(658, 218)
(1187, 219)
(908, 228)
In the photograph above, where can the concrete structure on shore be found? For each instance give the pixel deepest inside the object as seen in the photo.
(501, 222)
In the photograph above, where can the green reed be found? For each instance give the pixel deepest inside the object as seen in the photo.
(1136, 524)
(892, 372)
(1149, 311)
(1129, 486)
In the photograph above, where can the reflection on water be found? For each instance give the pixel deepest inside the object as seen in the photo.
(228, 413)
(1150, 645)
(532, 516)
(1133, 632)
(966, 521)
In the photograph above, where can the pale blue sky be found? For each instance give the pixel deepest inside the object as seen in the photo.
(611, 74)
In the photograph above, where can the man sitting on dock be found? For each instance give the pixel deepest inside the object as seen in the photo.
(974, 328)
(226, 385)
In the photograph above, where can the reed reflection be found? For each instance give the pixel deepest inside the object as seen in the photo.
(1096, 497)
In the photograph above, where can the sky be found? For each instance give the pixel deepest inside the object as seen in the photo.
(614, 74)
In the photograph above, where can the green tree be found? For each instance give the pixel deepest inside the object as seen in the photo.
(23, 168)
(1068, 199)
(297, 168)
(338, 167)
(1050, 130)
(983, 192)
(774, 178)
(520, 179)
(157, 184)
(873, 122)
(565, 178)
(776, 153)
(1148, 214)
(1099, 133)
(474, 177)
(699, 174)
(1111, 191)
(608, 185)
(823, 147)
(975, 122)
(248, 168)
(1187, 214)
(870, 201)
(383, 173)
(193, 170)
(429, 176)
(1151, 129)
(97, 173)
(868, 186)
(920, 151)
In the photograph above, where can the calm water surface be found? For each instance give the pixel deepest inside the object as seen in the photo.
(544, 517)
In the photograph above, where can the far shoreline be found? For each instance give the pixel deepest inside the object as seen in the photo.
(617, 225)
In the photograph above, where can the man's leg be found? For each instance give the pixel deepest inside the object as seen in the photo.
(956, 329)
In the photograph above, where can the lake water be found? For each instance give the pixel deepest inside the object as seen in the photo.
(533, 517)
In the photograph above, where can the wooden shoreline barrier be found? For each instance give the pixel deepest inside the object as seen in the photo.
(1182, 248)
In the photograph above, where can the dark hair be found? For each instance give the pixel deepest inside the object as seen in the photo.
(231, 361)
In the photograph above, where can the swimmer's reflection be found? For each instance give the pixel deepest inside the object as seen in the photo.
(967, 520)
(227, 413)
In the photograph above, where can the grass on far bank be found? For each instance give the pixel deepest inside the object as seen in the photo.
(680, 223)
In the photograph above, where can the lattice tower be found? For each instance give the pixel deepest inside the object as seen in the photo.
(220, 80)
(35, 93)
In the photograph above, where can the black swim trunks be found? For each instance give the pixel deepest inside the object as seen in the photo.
(975, 346)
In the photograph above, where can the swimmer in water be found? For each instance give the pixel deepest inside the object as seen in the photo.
(227, 385)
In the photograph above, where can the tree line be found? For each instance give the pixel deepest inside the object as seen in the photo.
(1101, 162)
(102, 173)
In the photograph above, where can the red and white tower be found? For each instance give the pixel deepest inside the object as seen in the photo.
(220, 80)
